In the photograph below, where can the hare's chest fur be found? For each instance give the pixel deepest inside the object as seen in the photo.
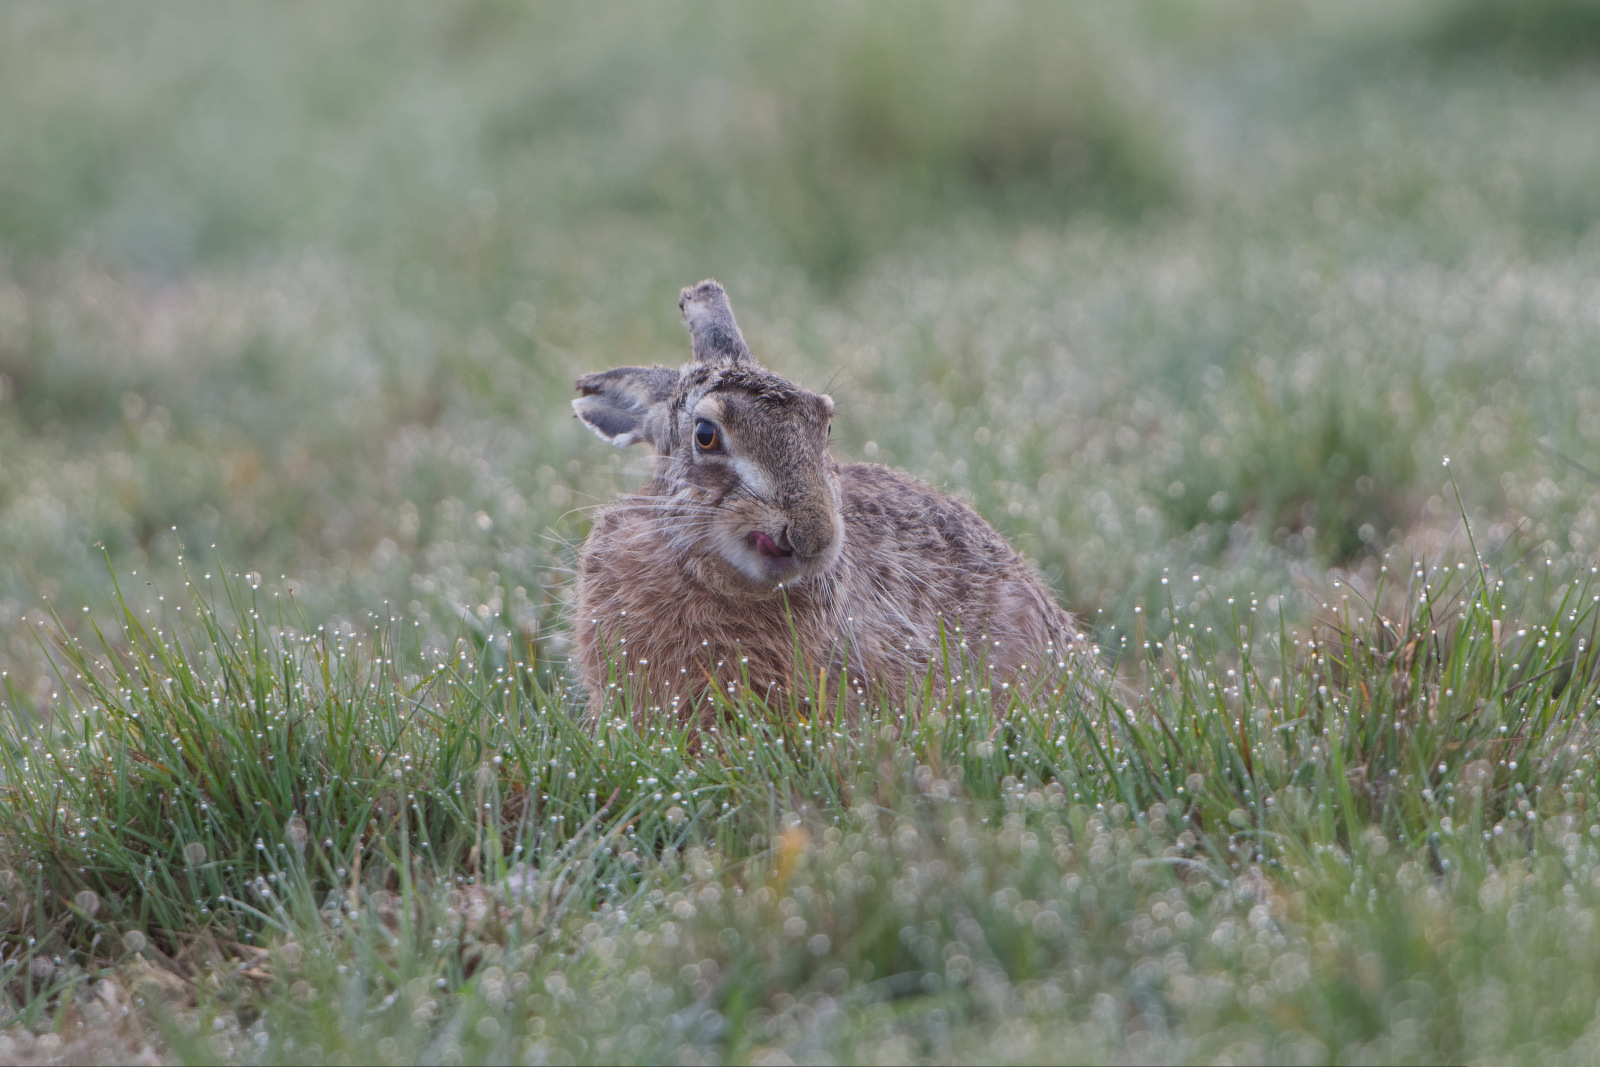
(656, 628)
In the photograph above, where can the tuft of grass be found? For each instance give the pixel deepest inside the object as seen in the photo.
(1537, 34)
(914, 111)
(283, 833)
(1332, 478)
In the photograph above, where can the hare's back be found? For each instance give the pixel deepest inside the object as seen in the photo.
(915, 558)
(890, 515)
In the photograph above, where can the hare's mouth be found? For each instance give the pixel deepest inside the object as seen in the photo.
(766, 547)
(771, 558)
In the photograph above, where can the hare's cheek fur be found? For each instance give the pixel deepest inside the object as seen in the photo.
(769, 545)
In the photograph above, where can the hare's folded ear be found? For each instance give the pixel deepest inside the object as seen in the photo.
(627, 404)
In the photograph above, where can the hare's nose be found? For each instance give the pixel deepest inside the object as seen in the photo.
(807, 539)
(785, 545)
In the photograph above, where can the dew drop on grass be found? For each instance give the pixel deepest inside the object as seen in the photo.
(134, 941)
(88, 901)
(297, 833)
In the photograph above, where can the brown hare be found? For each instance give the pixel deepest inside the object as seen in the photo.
(754, 559)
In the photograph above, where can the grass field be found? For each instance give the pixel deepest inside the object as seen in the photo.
(1272, 332)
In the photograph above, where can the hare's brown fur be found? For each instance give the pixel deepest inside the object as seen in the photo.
(765, 563)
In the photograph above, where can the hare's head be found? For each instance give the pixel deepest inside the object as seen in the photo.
(742, 454)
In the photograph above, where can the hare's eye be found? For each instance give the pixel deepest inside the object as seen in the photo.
(706, 436)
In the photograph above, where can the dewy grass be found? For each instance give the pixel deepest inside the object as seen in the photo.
(1373, 840)
(1263, 839)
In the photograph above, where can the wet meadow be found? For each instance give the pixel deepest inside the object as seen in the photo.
(1270, 332)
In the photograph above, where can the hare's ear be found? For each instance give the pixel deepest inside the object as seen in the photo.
(628, 404)
(713, 334)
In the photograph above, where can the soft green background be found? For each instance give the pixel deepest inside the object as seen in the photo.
(1153, 287)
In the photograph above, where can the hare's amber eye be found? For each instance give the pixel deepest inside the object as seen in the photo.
(706, 437)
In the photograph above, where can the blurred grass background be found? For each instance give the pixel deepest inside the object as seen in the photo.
(1155, 288)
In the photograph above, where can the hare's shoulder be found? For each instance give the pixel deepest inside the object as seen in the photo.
(889, 507)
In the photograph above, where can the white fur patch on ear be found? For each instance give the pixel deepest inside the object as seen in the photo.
(626, 405)
(609, 422)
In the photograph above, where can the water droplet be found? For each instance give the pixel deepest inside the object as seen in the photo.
(295, 830)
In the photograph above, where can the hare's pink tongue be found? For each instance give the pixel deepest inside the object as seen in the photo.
(766, 545)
